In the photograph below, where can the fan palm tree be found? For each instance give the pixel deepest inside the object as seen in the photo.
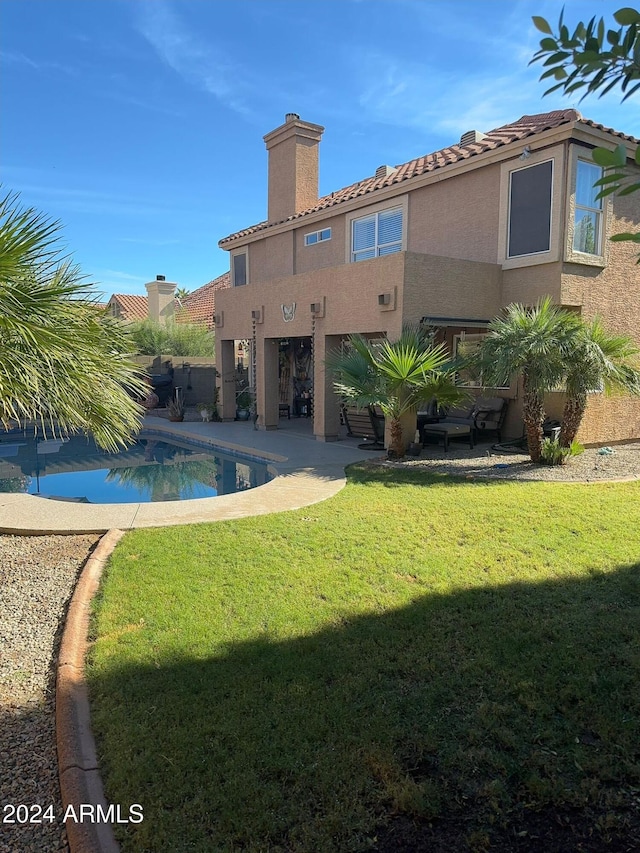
(535, 342)
(597, 360)
(63, 361)
(396, 375)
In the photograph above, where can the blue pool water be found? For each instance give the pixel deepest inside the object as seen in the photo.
(154, 469)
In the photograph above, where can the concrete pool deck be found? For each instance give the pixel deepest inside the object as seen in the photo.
(308, 471)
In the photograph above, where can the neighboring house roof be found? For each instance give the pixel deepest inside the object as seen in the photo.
(199, 305)
(514, 132)
(129, 307)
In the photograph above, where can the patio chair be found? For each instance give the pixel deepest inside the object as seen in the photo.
(490, 413)
(482, 415)
(367, 423)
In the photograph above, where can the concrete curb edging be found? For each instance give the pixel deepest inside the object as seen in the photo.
(78, 772)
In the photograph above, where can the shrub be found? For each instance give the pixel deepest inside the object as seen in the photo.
(180, 339)
(552, 453)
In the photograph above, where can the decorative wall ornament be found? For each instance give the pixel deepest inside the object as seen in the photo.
(288, 312)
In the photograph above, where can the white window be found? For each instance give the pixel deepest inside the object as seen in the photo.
(530, 210)
(239, 269)
(317, 237)
(588, 209)
(377, 234)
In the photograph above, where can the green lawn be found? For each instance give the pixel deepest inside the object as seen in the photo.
(417, 657)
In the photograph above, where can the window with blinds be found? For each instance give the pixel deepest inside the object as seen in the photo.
(588, 209)
(377, 234)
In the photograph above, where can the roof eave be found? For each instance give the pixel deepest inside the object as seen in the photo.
(504, 151)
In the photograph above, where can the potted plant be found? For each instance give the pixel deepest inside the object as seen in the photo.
(243, 406)
(175, 407)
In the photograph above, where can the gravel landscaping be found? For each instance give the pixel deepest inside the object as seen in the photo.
(37, 577)
(623, 462)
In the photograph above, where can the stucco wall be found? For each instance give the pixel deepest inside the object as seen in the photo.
(293, 176)
(528, 284)
(457, 218)
(329, 253)
(349, 292)
(449, 287)
(613, 293)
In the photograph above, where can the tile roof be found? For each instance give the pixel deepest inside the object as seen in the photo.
(130, 307)
(514, 132)
(199, 305)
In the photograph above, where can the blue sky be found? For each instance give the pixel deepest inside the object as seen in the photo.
(139, 123)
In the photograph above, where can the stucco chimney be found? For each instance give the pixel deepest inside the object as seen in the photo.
(160, 294)
(293, 167)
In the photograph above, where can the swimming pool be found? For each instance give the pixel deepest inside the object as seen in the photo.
(156, 468)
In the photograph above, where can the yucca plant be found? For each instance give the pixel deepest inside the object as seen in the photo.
(175, 406)
(398, 376)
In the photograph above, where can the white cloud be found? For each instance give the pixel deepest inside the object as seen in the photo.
(17, 58)
(11, 57)
(420, 96)
(425, 98)
(203, 65)
(121, 276)
(34, 192)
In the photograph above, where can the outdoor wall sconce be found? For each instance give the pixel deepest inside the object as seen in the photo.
(257, 315)
(526, 152)
(384, 299)
(317, 307)
(218, 319)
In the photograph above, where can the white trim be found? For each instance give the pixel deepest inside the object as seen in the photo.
(374, 209)
(318, 235)
(571, 255)
(234, 254)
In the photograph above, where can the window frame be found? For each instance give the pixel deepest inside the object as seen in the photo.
(512, 172)
(235, 255)
(474, 338)
(599, 211)
(570, 255)
(318, 236)
(399, 204)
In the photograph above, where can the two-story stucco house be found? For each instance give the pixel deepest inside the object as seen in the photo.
(448, 239)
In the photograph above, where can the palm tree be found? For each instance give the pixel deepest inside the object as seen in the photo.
(534, 341)
(63, 361)
(397, 375)
(181, 294)
(597, 360)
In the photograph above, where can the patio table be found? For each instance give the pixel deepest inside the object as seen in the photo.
(446, 431)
